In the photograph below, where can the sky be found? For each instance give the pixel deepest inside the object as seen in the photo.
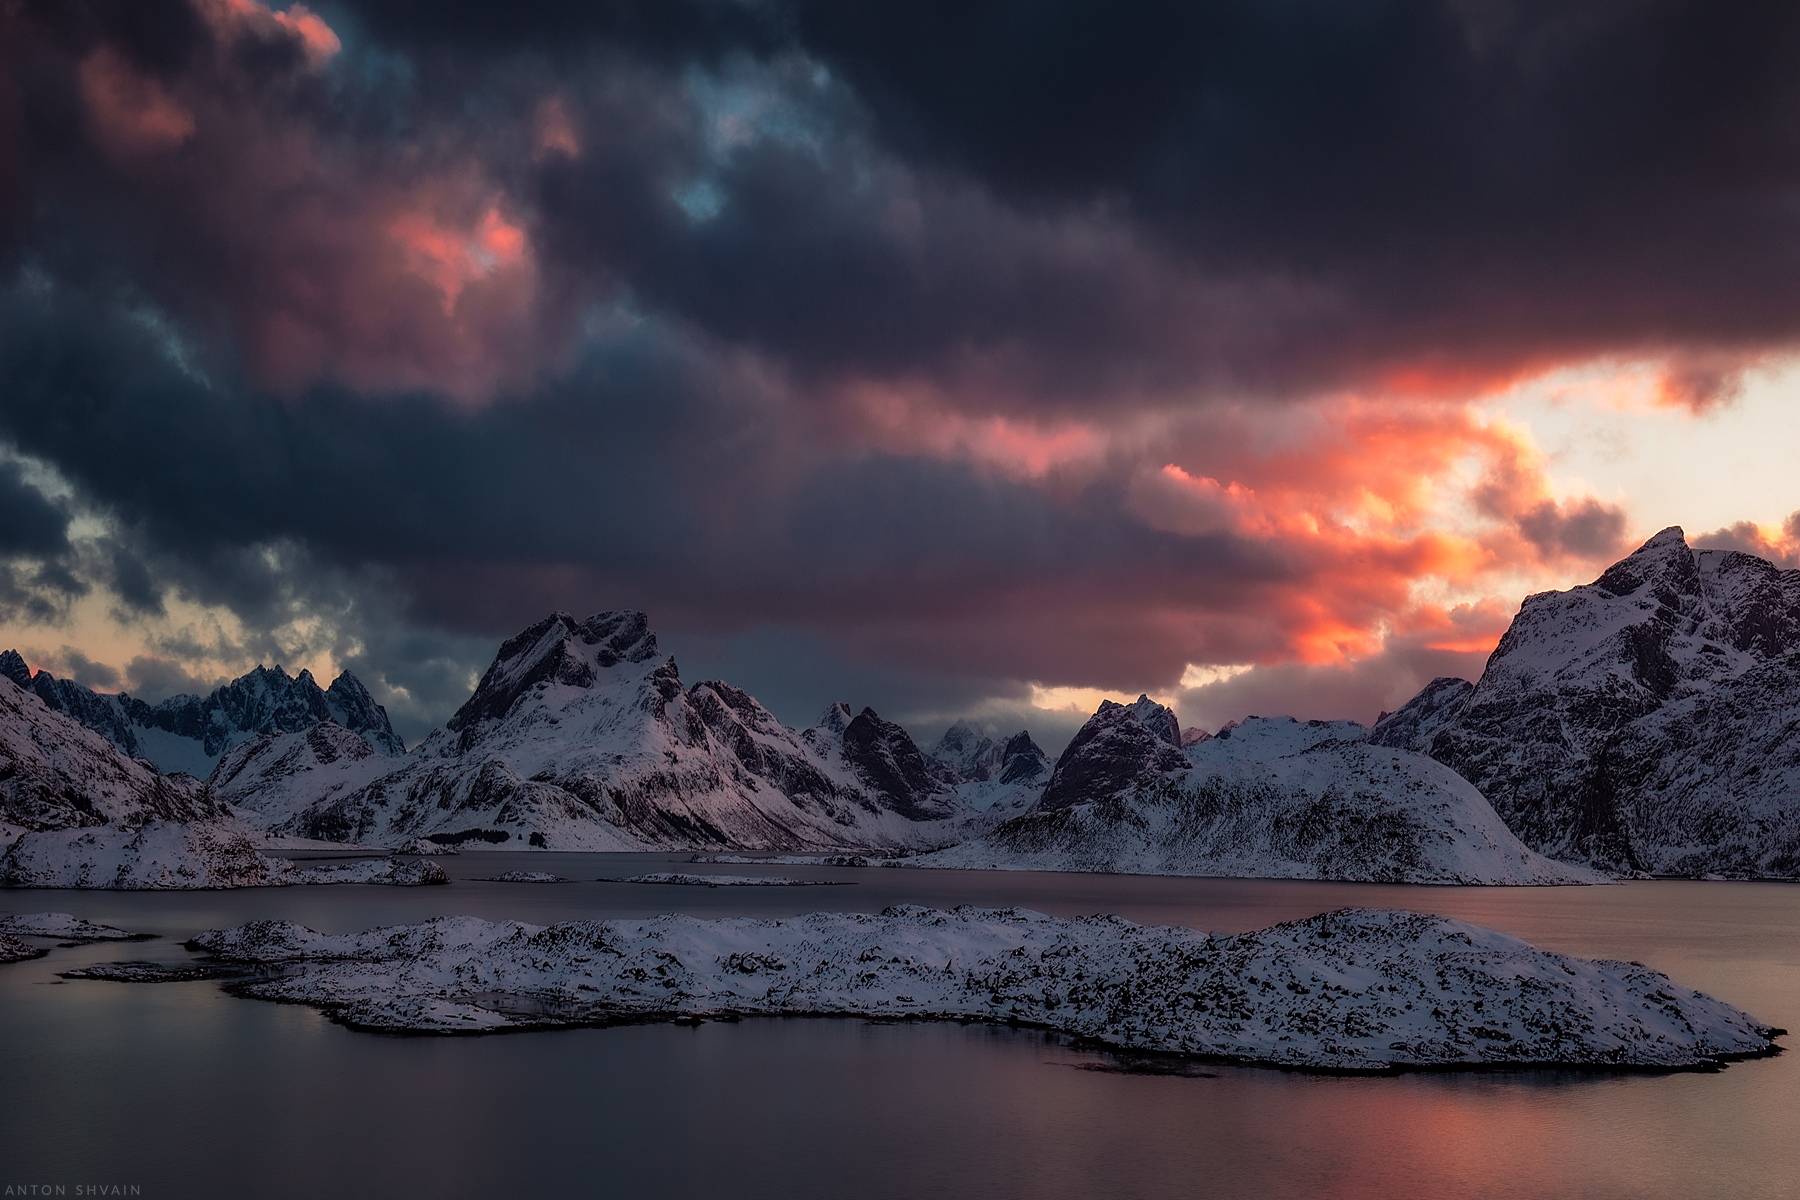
(956, 359)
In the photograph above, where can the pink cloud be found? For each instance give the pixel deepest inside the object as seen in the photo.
(232, 19)
(130, 112)
(555, 131)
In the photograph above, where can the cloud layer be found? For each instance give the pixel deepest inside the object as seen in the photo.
(952, 349)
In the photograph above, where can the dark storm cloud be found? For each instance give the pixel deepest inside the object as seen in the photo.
(1105, 198)
(1514, 178)
(1300, 194)
(29, 523)
(493, 309)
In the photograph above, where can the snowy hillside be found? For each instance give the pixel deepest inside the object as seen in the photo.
(1349, 990)
(276, 776)
(582, 737)
(171, 856)
(190, 733)
(1279, 798)
(1647, 721)
(56, 773)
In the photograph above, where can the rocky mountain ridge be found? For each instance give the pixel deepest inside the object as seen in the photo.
(581, 736)
(191, 733)
(1648, 721)
(1118, 746)
(56, 773)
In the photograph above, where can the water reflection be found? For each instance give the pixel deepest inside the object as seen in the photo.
(189, 1092)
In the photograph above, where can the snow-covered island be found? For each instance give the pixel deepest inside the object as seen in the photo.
(1352, 990)
(57, 927)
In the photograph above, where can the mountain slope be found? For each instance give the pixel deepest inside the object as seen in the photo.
(580, 736)
(1118, 746)
(56, 773)
(1647, 721)
(1278, 798)
(191, 733)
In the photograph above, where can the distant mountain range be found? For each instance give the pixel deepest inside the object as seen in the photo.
(191, 733)
(581, 736)
(1647, 722)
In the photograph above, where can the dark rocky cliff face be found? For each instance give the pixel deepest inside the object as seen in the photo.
(887, 759)
(1114, 750)
(1648, 721)
(1023, 760)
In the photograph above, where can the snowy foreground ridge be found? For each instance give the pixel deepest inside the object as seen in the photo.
(1356, 989)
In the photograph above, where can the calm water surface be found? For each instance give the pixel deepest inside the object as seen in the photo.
(187, 1092)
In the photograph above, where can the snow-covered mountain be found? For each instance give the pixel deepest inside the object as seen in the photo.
(280, 774)
(191, 733)
(972, 754)
(1647, 721)
(1278, 798)
(56, 773)
(582, 737)
(1120, 745)
(1000, 777)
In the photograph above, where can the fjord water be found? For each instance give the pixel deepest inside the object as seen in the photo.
(187, 1092)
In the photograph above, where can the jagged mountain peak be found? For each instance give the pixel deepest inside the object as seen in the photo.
(1665, 562)
(1157, 718)
(188, 733)
(885, 755)
(1114, 749)
(836, 718)
(13, 666)
(966, 749)
(1644, 721)
(558, 649)
(1022, 760)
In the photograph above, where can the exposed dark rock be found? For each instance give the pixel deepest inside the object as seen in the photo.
(1647, 721)
(1417, 721)
(13, 667)
(1114, 750)
(886, 757)
(1023, 760)
(546, 653)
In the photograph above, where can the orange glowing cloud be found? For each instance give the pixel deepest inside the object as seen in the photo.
(130, 113)
(231, 19)
(1394, 519)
